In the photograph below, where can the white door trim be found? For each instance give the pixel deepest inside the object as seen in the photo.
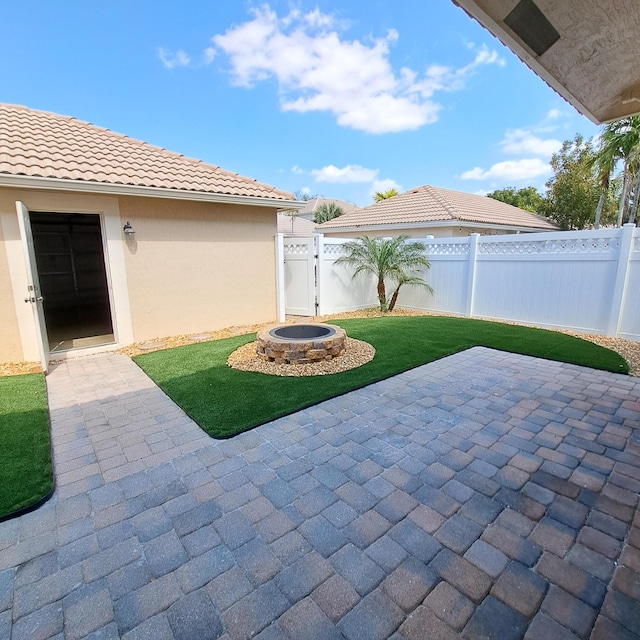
(113, 242)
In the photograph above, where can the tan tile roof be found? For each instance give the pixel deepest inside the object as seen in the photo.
(42, 144)
(432, 204)
(311, 205)
(294, 225)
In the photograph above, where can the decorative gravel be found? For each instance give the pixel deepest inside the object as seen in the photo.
(355, 355)
(628, 349)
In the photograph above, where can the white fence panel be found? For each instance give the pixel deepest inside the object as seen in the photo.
(447, 276)
(548, 280)
(338, 290)
(630, 317)
(299, 276)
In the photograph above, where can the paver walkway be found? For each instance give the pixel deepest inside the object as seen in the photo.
(487, 495)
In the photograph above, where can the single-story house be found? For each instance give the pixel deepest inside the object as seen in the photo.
(291, 225)
(310, 206)
(437, 212)
(106, 240)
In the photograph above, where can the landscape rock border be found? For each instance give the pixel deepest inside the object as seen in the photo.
(356, 354)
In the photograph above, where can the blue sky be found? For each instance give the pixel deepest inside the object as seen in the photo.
(331, 98)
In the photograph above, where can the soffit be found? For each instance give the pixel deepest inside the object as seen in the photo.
(593, 64)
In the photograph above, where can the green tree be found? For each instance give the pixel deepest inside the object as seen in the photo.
(305, 197)
(528, 198)
(326, 211)
(385, 195)
(620, 143)
(393, 260)
(574, 189)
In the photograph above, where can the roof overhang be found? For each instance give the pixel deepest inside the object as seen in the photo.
(587, 50)
(433, 224)
(104, 188)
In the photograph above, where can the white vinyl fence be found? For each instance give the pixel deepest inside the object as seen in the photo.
(587, 281)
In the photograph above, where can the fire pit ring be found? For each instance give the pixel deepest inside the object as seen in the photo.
(300, 343)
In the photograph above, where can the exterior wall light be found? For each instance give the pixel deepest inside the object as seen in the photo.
(128, 230)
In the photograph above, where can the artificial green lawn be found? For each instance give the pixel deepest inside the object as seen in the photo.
(25, 469)
(224, 401)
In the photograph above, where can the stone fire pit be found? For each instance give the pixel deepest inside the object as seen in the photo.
(300, 343)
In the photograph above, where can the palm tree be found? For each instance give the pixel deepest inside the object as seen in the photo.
(415, 281)
(392, 259)
(385, 195)
(620, 141)
(327, 211)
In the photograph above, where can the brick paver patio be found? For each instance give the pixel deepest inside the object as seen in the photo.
(487, 495)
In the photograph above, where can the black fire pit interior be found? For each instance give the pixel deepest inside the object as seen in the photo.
(301, 332)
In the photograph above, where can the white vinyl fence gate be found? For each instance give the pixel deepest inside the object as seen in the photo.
(300, 276)
(315, 285)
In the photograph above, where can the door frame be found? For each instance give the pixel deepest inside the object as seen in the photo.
(114, 257)
(33, 293)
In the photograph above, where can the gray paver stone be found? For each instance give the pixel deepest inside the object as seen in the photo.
(375, 618)
(164, 553)
(306, 620)
(358, 569)
(193, 616)
(486, 558)
(205, 567)
(493, 619)
(39, 625)
(255, 611)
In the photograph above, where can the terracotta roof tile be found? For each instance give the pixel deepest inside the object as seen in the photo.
(42, 144)
(432, 204)
(295, 226)
(311, 205)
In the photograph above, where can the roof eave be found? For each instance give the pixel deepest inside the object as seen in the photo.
(434, 223)
(105, 188)
(485, 20)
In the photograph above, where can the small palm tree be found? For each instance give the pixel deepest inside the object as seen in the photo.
(414, 281)
(385, 195)
(392, 259)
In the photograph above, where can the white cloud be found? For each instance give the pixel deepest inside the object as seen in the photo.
(384, 185)
(171, 60)
(348, 174)
(297, 170)
(316, 70)
(208, 55)
(523, 141)
(525, 169)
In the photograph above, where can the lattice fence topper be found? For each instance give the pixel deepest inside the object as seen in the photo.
(591, 245)
(296, 249)
(449, 249)
(332, 249)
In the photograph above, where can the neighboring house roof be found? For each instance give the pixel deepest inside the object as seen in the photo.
(311, 205)
(294, 225)
(39, 144)
(431, 205)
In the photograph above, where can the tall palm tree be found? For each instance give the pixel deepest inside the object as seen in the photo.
(387, 259)
(620, 142)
